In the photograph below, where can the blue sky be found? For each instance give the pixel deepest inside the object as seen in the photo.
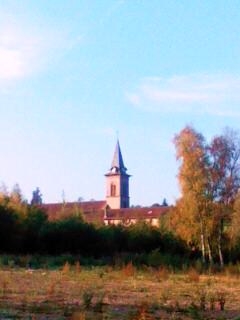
(74, 73)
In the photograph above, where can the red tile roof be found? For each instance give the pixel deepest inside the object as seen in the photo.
(92, 211)
(136, 213)
(96, 211)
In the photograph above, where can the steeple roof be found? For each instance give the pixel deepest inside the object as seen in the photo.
(117, 162)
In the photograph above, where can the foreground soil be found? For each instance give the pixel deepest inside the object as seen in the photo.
(105, 293)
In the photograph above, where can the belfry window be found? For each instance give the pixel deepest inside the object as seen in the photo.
(113, 190)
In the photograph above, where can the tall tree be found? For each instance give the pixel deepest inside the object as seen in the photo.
(17, 202)
(16, 194)
(193, 178)
(209, 178)
(36, 197)
(224, 151)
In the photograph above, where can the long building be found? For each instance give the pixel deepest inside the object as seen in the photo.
(115, 209)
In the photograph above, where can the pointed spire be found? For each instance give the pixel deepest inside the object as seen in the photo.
(117, 162)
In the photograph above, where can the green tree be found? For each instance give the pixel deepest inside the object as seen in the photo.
(10, 230)
(36, 197)
(33, 223)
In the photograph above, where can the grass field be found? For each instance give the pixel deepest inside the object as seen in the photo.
(78, 293)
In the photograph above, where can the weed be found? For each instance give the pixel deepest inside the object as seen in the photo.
(99, 303)
(194, 312)
(193, 275)
(199, 267)
(11, 263)
(66, 268)
(177, 306)
(231, 270)
(78, 316)
(87, 298)
(165, 296)
(142, 313)
(51, 289)
(4, 287)
(108, 269)
(77, 267)
(210, 281)
(101, 274)
(221, 299)
(212, 301)
(202, 299)
(154, 306)
(162, 274)
(129, 270)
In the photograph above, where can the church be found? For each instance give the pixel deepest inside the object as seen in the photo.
(115, 209)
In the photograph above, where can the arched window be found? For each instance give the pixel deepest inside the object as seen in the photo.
(113, 190)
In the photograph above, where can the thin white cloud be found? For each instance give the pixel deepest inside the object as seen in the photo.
(217, 94)
(26, 49)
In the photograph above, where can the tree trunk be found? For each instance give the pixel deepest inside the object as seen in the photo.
(220, 231)
(209, 253)
(203, 245)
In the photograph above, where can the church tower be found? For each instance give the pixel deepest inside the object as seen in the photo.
(117, 182)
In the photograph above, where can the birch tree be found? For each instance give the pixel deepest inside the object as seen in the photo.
(224, 151)
(193, 179)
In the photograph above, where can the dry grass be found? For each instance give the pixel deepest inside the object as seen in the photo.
(162, 274)
(128, 270)
(138, 294)
(193, 275)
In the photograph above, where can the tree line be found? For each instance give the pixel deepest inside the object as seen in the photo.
(204, 222)
(25, 229)
(207, 214)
